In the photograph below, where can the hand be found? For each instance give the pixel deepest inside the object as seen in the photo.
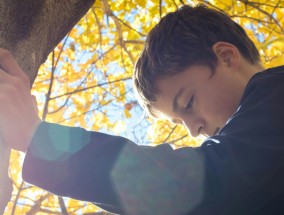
(18, 112)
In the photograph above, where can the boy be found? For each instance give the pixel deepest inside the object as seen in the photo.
(198, 68)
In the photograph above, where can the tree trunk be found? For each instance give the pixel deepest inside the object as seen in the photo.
(31, 29)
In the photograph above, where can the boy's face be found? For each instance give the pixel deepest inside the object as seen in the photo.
(200, 99)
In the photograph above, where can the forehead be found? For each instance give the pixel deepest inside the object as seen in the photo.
(166, 90)
(191, 77)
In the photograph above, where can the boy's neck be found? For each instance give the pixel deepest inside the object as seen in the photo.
(247, 70)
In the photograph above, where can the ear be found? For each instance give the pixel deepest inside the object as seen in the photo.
(227, 53)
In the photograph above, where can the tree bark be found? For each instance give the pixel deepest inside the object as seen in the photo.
(31, 29)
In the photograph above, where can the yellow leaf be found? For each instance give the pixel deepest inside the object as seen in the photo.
(127, 113)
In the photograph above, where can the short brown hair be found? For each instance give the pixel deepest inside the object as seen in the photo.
(184, 38)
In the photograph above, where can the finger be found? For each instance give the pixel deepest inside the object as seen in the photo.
(9, 64)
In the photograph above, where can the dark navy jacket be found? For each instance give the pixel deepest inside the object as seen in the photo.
(240, 171)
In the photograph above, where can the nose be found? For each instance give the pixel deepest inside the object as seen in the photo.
(194, 125)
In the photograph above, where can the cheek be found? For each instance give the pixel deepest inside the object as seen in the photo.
(227, 104)
(219, 106)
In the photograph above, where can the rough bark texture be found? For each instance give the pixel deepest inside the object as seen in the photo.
(31, 29)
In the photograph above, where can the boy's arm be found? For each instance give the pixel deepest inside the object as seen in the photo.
(113, 172)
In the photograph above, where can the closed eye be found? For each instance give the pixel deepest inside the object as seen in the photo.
(189, 104)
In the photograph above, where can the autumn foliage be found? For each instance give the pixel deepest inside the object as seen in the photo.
(86, 81)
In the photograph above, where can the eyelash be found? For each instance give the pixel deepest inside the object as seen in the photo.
(189, 104)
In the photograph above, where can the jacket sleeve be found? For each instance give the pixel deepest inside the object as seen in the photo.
(113, 172)
(227, 175)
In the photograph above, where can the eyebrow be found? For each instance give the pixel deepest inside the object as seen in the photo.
(175, 101)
